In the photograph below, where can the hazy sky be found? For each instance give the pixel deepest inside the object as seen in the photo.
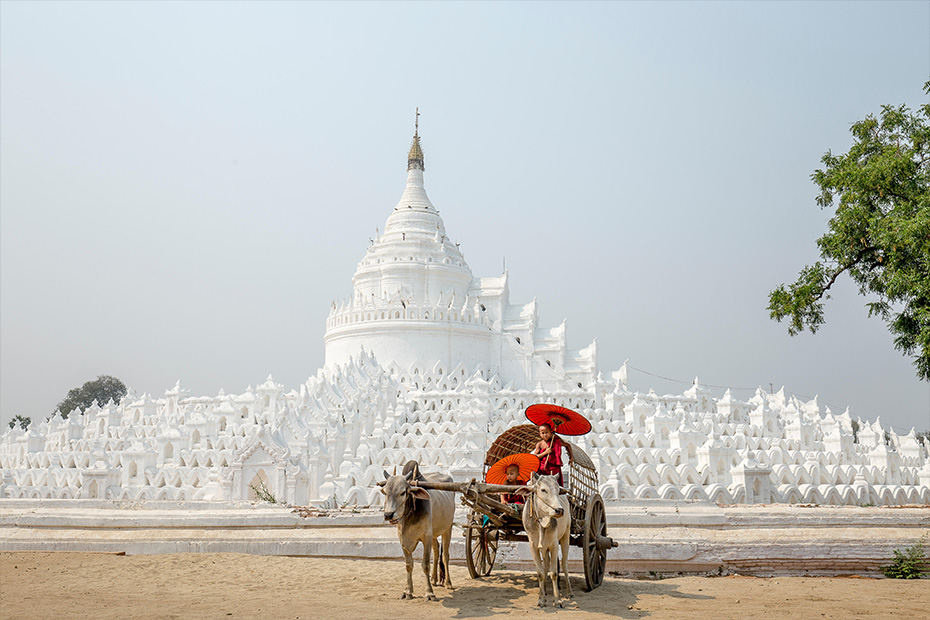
(185, 187)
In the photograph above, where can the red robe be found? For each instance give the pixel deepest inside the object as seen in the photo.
(551, 464)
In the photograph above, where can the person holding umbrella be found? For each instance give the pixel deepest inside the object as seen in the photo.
(549, 450)
(513, 478)
(513, 470)
(553, 419)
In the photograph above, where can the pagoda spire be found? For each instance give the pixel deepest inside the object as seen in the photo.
(415, 155)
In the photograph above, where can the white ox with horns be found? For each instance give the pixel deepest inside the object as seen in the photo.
(548, 524)
(421, 516)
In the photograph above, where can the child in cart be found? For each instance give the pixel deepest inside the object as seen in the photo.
(549, 450)
(512, 470)
(513, 477)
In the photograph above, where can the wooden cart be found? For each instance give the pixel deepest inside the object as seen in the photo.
(490, 521)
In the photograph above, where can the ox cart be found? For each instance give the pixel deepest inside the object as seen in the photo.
(491, 521)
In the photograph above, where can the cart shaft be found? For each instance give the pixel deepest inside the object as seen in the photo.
(480, 487)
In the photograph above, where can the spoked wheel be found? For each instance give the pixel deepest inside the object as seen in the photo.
(481, 540)
(595, 542)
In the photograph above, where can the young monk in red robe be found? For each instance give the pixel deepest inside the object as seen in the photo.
(513, 477)
(549, 451)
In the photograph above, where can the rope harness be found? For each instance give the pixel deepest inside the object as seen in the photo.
(531, 506)
(408, 506)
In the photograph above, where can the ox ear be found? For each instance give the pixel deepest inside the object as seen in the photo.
(563, 491)
(419, 493)
(524, 491)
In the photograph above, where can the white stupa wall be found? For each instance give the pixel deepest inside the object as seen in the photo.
(412, 334)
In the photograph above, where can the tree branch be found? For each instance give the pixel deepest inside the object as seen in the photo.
(839, 271)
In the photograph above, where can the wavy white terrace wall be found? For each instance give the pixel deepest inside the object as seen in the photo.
(329, 442)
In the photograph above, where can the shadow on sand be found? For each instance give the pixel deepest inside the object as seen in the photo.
(505, 591)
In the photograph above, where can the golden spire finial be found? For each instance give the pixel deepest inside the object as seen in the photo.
(415, 155)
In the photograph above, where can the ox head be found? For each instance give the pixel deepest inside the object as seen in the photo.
(399, 496)
(543, 501)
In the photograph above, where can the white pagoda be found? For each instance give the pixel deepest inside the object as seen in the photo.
(416, 302)
(428, 362)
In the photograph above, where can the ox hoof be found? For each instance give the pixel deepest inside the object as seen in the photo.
(557, 604)
(405, 596)
(541, 603)
(431, 597)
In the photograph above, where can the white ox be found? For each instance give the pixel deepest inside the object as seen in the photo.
(548, 523)
(421, 516)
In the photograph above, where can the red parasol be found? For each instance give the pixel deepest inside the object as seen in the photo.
(563, 421)
(497, 473)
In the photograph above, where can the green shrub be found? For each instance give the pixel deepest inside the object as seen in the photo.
(908, 563)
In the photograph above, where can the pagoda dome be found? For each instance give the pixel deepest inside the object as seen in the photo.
(412, 298)
(413, 258)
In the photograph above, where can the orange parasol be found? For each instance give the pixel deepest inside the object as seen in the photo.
(563, 421)
(497, 473)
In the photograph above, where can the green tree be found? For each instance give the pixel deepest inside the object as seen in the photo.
(101, 390)
(22, 421)
(879, 234)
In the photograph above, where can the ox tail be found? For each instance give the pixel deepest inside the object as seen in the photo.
(442, 567)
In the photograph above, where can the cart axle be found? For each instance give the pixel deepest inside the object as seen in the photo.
(606, 542)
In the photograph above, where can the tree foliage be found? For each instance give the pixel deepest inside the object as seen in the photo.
(22, 421)
(101, 390)
(879, 234)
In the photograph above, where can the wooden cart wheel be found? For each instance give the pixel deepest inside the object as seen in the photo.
(595, 556)
(481, 540)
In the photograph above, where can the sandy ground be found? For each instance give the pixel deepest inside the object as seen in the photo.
(223, 586)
